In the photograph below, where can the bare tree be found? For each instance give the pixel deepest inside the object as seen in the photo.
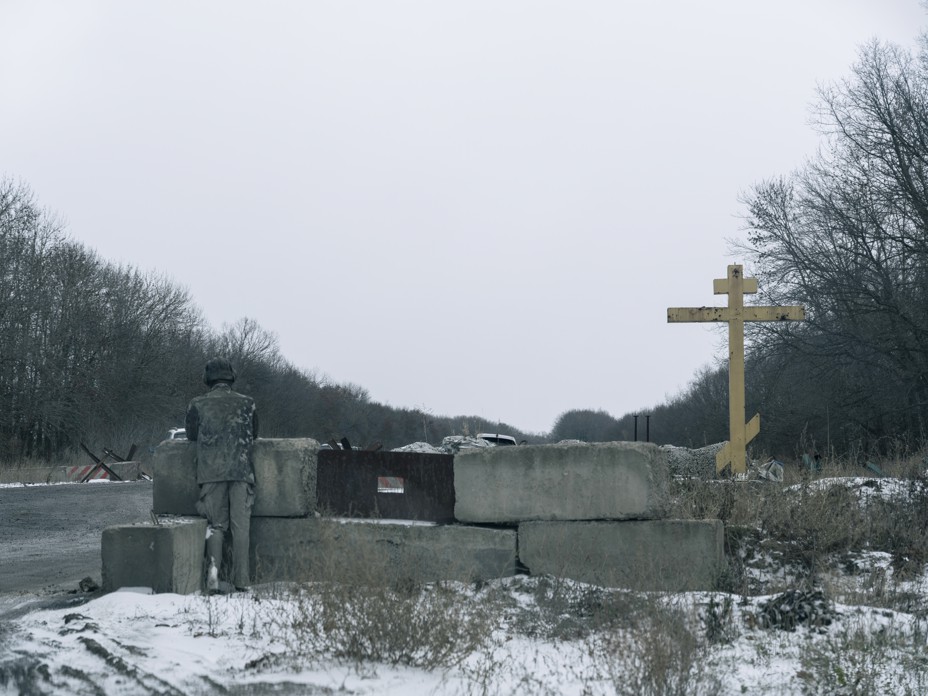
(847, 236)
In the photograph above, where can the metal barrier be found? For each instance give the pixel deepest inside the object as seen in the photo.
(388, 485)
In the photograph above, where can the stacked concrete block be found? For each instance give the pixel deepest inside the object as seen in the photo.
(611, 480)
(288, 540)
(174, 478)
(668, 555)
(370, 552)
(169, 557)
(591, 512)
(166, 557)
(285, 477)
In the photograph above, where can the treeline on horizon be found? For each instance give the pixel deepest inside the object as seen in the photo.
(108, 355)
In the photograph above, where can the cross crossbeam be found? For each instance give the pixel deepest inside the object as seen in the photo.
(736, 286)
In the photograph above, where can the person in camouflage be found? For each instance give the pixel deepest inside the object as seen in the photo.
(224, 425)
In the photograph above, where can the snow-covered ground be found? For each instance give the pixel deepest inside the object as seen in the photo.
(860, 629)
(545, 639)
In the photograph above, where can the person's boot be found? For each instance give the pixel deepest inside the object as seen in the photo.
(212, 577)
(214, 553)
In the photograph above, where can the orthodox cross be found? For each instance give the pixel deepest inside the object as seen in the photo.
(736, 286)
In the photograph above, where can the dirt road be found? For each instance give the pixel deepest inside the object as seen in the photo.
(50, 535)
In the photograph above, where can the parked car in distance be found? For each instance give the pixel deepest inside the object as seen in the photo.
(177, 434)
(497, 439)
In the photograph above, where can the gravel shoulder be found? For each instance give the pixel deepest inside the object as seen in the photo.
(50, 534)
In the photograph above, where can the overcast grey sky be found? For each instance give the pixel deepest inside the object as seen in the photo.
(467, 207)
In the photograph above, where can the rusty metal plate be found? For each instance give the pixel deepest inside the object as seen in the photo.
(388, 485)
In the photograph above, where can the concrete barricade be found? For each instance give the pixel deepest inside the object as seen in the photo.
(285, 477)
(371, 552)
(610, 480)
(166, 558)
(591, 512)
(670, 555)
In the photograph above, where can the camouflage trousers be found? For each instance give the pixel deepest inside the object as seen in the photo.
(226, 505)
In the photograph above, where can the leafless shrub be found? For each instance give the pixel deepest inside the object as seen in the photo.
(427, 626)
(812, 524)
(793, 534)
(363, 609)
(663, 656)
(859, 660)
(565, 610)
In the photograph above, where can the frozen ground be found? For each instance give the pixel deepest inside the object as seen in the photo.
(132, 642)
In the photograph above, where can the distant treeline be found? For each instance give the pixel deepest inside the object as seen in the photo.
(110, 356)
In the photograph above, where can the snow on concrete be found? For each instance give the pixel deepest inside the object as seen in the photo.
(449, 445)
(692, 463)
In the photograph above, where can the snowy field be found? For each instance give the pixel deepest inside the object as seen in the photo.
(849, 620)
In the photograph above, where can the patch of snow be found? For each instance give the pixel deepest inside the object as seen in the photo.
(130, 642)
(421, 447)
(692, 463)
(455, 443)
(60, 483)
(371, 520)
(175, 520)
(137, 590)
(866, 489)
(449, 445)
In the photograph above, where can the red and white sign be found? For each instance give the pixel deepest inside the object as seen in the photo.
(391, 484)
(77, 473)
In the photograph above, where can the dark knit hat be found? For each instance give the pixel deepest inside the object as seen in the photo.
(218, 370)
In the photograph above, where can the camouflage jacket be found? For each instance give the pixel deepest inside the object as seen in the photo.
(224, 424)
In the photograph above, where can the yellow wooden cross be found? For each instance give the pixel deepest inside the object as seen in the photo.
(736, 286)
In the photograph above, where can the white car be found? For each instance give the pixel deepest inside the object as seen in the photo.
(497, 439)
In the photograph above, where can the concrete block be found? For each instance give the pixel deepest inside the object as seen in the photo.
(285, 477)
(174, 478)
(667, 555)
(597, 481)
(371, 552)
(166, 558)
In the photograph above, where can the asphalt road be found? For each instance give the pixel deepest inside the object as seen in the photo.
(50, 535)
